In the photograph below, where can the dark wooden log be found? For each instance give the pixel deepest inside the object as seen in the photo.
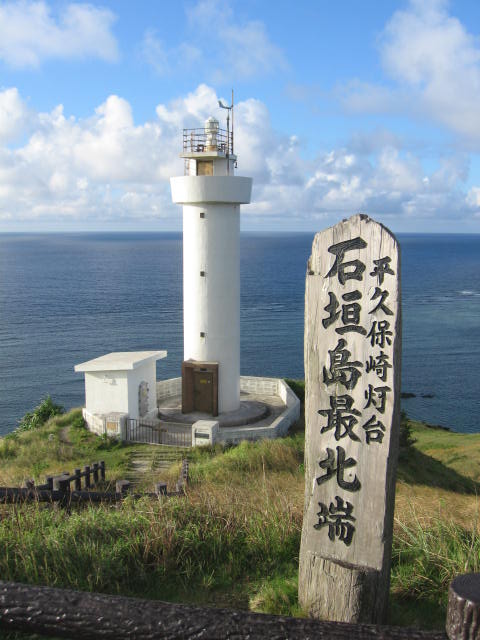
(89, 616)
(13, 495)
(102, 470)
(87, 477)
(95, 473)
(78, 479)
(49, 482)
(463, 612)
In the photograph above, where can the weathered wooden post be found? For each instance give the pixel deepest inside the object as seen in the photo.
(78, 479)
(463, 613)
(49, 482)
(352, 414)
(161, 488)
(87, 477)
(95, 473)
(102, 470)
(62, 484)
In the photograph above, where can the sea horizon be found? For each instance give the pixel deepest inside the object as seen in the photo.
(70, 296)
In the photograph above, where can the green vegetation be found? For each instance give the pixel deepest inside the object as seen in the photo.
(39, 416)
(234, 540)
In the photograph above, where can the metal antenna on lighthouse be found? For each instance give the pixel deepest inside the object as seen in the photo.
(229, 108)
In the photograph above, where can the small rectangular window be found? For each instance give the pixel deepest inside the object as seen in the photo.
(202, 334)
(204, 167)
(202, 274)
(202, 214)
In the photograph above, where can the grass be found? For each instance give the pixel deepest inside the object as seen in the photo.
(234, 540)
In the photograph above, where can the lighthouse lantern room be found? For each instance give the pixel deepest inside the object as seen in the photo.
(211, 195)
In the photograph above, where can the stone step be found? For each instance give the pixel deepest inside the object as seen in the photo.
(152, 460)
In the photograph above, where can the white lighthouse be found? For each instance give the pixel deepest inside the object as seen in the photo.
(211, 196)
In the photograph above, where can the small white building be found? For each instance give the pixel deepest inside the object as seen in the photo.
(119, 385)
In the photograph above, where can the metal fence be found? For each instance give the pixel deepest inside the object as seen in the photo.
(154, 432)
(198, 140)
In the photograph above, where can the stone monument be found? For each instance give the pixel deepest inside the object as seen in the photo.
(352, 415)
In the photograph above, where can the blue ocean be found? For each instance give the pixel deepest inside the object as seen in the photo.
(67, 298)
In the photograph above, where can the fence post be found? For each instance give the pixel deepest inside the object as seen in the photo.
(463, 611)
(62, 484)
(102, 470)
(161, 488)
(122, 486)
(95, 473)
(87, 477)
(78, 479)
(49, 482)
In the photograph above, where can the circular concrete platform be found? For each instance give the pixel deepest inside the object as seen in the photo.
(249, 412)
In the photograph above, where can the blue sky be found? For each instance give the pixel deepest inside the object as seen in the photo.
(340, 108)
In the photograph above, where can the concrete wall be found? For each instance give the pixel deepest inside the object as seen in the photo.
(106, 391)
(279, 427)
(169, 388)
(147, 373)
(95, 423)
(255, 384)
(117, 391)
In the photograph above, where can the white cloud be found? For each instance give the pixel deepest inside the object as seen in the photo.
(14, 115)
(105, 167)
(219, 46)
(435, 65)
(30, 34)
(165, 61)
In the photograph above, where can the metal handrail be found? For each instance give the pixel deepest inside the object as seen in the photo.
(195, 141)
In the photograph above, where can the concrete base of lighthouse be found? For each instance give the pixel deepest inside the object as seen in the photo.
(250, 411)
(268, 407)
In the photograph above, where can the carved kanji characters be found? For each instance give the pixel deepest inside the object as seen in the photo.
(376, 396)
(383, 295)
(382, 266)
(338, 517)
(374, 430)
(352, 269)
(337, 464)
(379, 333)
(341, 370)
(379, 364)
(341, 417)
(350, 313)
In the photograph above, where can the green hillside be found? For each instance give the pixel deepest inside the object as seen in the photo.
(234, 539)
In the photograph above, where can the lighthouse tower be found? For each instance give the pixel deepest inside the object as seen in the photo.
(211, 195)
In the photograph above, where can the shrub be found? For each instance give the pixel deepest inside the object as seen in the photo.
(39, 416)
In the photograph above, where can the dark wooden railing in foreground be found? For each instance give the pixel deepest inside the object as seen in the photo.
(89, 616)
(57, 488)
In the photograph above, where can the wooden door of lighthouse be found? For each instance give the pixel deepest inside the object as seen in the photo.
(200, 387)
(203, 391)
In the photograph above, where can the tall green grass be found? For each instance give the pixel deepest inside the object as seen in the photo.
(426, 556)
(148, 548)
(234, 539)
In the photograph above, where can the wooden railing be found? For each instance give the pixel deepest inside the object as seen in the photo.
(89, 616)
(57, 488)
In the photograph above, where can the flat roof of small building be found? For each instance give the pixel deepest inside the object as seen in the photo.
(120, 361)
